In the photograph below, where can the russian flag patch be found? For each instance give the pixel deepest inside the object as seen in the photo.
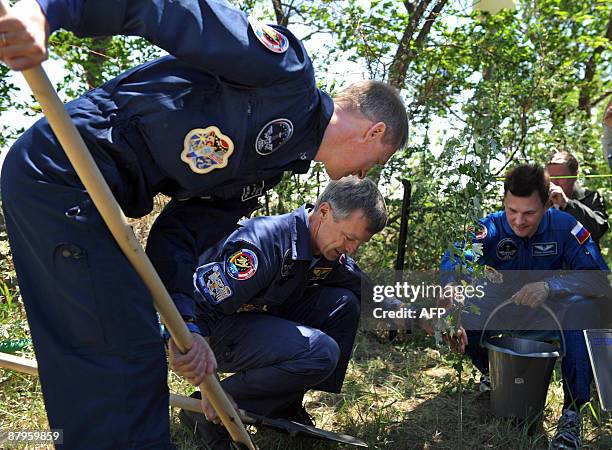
(580, 233)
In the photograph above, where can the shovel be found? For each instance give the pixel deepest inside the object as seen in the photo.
(296, 429)
(113, 216)
(293, 429)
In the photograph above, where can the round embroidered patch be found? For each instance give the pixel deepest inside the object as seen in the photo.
(206, 149)
(479, 231)
(242, 265)
(273, 136)
(273, 40)
(506, 249)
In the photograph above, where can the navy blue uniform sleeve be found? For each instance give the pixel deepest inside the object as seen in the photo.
(180, 234)
(65, 13)
(588, 270)
(240, 272)
(211, 35)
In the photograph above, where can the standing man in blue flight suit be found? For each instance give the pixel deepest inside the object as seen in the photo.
(279, 301)
(527, 236)
(214, 125)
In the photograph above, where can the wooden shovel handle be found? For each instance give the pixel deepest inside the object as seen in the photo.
(113, 216)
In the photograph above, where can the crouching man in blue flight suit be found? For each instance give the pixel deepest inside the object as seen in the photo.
(279, 302)
(529, 241)
(213, 125)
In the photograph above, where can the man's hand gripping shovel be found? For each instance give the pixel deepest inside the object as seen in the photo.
(113, 216)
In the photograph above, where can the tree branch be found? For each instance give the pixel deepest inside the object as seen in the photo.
(399, 66)
(584, 100)
(431, 18)
(601, 98)
(282, 18)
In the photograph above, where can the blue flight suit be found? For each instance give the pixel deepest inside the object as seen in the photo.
(560, 243)
(215, 124)
(282, 319)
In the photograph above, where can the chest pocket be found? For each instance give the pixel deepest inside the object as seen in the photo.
(286, 288)
(285, 127)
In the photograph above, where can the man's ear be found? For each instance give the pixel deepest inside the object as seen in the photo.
(324, 210)
(376, 131)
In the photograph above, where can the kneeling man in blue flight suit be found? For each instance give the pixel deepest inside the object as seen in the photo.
(530, 240)
(279, 304)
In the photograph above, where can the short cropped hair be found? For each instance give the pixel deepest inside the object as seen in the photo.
(350, 194)
(566, 159)
(524, 180)
(379, 102)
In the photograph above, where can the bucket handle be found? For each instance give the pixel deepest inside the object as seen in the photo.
(543, 306)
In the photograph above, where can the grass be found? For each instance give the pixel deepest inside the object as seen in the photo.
(400, 396)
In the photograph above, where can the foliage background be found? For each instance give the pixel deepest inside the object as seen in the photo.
(483, 92)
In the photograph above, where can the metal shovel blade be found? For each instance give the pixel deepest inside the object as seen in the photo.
(296, 428)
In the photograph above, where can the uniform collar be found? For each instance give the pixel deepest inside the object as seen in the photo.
(541, 228)
(300, 235)
(327, 110)
(326, 107)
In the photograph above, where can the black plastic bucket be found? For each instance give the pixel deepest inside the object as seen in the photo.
(520, 371)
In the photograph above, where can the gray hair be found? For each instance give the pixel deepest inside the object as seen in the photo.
(350, 194)
(566, 159)
(378, 102)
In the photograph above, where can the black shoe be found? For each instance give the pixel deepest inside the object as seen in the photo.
(485, 383)
(568, 432)
(213, 436)
(296, 413)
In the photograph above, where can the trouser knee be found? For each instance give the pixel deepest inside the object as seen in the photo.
(345, 307)
(324, 353)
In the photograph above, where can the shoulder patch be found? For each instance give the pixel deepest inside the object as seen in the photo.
(242, 265)
(273, 40)
(206, 149)
(213, 284)
(580, 233)
(479, 231)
